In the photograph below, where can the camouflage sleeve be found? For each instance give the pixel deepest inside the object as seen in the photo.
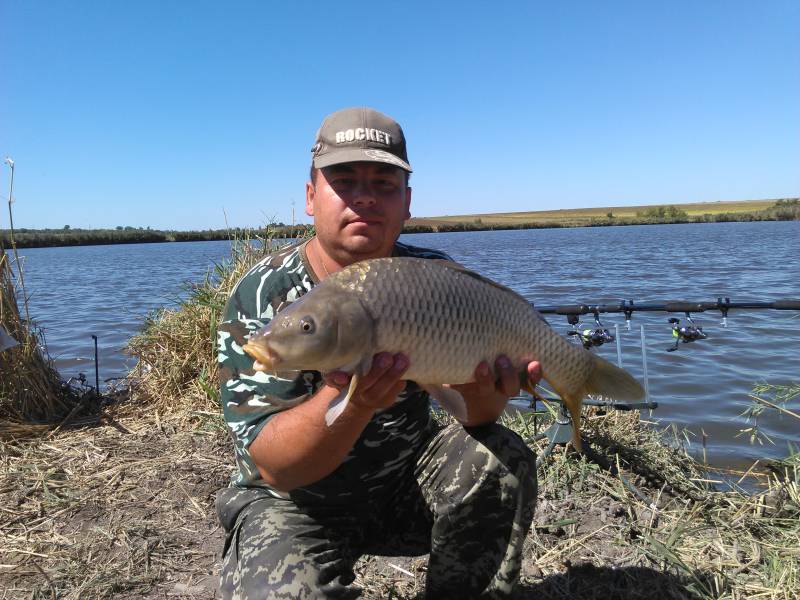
(403, 249)
(249, 397)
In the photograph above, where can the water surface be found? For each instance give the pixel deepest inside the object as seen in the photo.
(107, 291)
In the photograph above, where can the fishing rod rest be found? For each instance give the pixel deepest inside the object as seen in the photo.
(723, 308)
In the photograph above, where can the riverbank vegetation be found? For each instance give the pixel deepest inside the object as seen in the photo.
(68, 236)
(704, 212)
(31, 390)
(124, 508)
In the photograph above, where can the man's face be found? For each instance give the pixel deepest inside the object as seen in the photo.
(358, 209)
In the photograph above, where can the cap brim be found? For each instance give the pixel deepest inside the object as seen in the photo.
(348, 155)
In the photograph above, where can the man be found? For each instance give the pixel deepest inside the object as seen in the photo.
(384, 478)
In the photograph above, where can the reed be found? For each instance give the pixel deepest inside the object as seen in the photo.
(177, 364)
(31, 391)
(30, 388)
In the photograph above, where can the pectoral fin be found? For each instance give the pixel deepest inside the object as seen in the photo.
(450, 400)
(339, 403)
(574, 406)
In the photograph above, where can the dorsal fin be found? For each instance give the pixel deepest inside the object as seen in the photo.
(462, 269)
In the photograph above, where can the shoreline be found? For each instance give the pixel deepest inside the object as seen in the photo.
(28, 238)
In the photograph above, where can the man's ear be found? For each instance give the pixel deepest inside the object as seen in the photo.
(310, 193)
(408, 203)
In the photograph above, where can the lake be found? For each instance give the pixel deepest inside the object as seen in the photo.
(107, 291)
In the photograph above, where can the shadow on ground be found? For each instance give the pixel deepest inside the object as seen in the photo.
(586, 582)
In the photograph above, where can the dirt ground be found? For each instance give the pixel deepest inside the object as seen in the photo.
(125, 509)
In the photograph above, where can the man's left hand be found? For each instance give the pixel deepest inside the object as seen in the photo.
(487, 396)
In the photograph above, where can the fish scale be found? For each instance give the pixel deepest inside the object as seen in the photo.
(445, 318)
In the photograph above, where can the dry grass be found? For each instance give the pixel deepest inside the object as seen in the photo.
(30, 388)
(125, 510)
(176, 349)
(635, 518)
(122, 510)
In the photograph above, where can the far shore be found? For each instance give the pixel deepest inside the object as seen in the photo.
(782, 209)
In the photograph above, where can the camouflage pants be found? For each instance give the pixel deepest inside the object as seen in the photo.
(469, 504)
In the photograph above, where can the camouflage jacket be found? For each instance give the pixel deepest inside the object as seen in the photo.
(249, 398)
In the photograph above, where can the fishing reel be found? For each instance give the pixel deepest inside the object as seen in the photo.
(590, 338)
(688, 332)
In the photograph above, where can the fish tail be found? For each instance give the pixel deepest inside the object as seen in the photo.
(607, 380)
(610, 381)
(574, 406)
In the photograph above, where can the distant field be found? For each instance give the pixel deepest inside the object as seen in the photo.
(578, 215)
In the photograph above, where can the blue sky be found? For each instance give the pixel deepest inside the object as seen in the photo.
(175, 114)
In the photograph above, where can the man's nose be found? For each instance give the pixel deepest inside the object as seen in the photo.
(363, 195)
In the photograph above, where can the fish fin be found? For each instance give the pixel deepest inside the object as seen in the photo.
(526, 384)
(449, 399)
(610, 381)
(574, 406)
(339, 403)
(606, 380)
(573, 403)
(462, 269)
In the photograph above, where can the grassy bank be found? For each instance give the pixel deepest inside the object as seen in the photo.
(123, 508)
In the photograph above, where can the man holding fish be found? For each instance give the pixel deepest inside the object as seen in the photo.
(344, 458)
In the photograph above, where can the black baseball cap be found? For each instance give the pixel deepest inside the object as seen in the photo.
(360, 134)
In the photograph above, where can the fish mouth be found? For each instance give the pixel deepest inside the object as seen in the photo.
(268, 359)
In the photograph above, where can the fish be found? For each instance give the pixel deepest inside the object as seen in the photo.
(445, 318)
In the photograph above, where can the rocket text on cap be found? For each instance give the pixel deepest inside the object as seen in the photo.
(361, 133)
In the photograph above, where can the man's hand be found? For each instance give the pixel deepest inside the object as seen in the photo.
(380, 386)
(296, 447)
(487, 396)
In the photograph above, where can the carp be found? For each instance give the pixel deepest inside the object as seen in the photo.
(445, 318)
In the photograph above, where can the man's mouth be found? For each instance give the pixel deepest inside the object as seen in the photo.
(364, 221)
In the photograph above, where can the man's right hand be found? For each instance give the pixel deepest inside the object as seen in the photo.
(296, 447)
(380, 386)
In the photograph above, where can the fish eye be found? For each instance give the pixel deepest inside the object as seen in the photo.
(307, 325)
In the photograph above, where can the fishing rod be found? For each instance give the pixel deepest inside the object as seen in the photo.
(682, 332)
(560, 431)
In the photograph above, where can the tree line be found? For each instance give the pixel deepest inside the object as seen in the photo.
(69, 236)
